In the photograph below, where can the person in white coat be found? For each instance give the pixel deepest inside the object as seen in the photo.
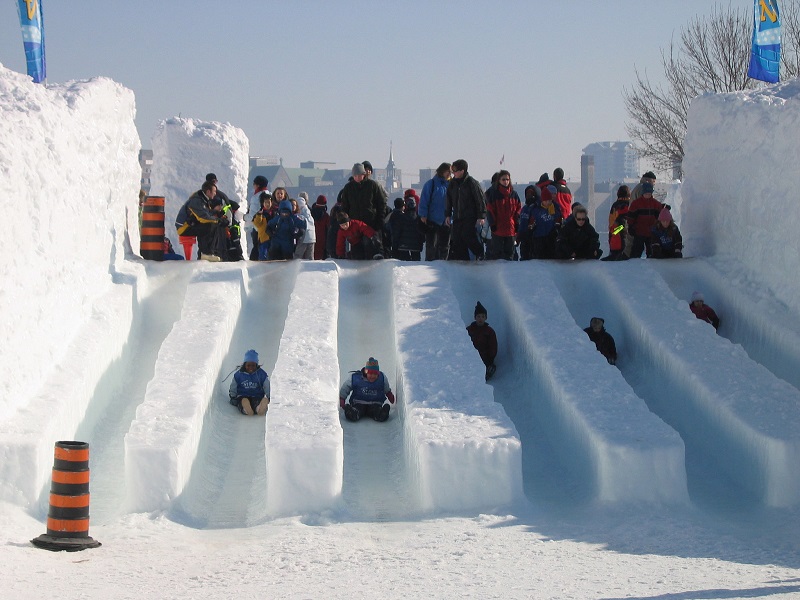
(305, 246)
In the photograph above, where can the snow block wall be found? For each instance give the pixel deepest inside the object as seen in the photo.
(741, 188)
(456, 437)
(27, 438)
(304, 444)
(66, 151)
(185, 150)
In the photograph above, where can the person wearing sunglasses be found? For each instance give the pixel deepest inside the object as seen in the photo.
(577, 239)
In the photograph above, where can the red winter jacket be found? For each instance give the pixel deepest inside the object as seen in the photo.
(353, 234)
(643, 214)
(503, 206)
(563, 198)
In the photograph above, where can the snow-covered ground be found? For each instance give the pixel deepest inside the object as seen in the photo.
(673, 475)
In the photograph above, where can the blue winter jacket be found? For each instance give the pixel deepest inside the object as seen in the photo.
(250, 385)
(364, 391)
(432, 200)
(285, 229)
(545, 222)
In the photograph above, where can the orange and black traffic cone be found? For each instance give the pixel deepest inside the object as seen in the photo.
(68, 516)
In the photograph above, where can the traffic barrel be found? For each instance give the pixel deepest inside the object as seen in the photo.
(68, 515)
(151, 245)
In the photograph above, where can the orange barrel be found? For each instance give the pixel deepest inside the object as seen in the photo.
(68, 516)
(152, 231)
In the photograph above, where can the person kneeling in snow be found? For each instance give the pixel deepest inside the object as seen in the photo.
(602, 339)
(484, 339)
(366, 392)
(249, 390)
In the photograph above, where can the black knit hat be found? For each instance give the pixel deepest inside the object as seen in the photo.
(480, 309)
(367, 165)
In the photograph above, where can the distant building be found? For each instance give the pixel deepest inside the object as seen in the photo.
(318, 178)
(613, 161)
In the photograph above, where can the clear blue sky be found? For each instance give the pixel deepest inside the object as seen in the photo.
(336, 81)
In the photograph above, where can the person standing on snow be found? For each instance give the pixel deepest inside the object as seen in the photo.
(563, 199)
(602, 339)
(484, 339)
(364, 200)
(322, 220)
(465, 212)
(431, 214)
(503, 207)
(249, 391)
(366, 393)
(305, 244)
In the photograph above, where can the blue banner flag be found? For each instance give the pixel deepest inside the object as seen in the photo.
(32, 24)
(765, 56)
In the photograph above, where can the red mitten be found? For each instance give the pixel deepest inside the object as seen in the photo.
(341, 402)
(390, 396)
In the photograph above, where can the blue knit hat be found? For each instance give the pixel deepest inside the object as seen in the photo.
(251, 356)
(372, 365)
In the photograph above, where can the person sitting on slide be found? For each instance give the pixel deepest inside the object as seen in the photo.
(366, 392)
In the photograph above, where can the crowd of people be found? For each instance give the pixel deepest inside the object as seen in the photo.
(453, 218)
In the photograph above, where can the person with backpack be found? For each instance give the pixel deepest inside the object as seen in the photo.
(250, 388)
(366, 393)
(431, 214)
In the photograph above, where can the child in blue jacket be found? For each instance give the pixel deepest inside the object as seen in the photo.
(285, 229)
(249, 391)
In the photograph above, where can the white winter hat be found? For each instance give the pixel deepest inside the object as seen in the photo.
(697, 296)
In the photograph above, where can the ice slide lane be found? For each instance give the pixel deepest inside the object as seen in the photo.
(735, 417)
(376, 483)
(586, 436)
(462, 448)
(84, 389)
(227, 485)
(162, 441)
(757, 323)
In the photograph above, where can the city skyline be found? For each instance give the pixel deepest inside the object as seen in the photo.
(336, 83)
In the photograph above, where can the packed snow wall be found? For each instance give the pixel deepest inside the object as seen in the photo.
(741, 182)
(185, 150)
(69, 163)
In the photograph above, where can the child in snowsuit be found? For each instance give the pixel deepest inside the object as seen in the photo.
(602, 339)
(366, 392)
(484, 339)
(284, 229)
(359, 235)
(702, 310)
(667, 241)
(617, 219)
(249, 391)
(260, 220)
(544, 224)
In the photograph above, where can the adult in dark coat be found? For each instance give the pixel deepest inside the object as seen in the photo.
(364, 199)
(195, 218)
(465, 210)
(406, 235)
(602, 339)
(577, 238)
(322, 222)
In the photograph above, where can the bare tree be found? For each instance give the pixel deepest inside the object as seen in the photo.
(712, 54)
